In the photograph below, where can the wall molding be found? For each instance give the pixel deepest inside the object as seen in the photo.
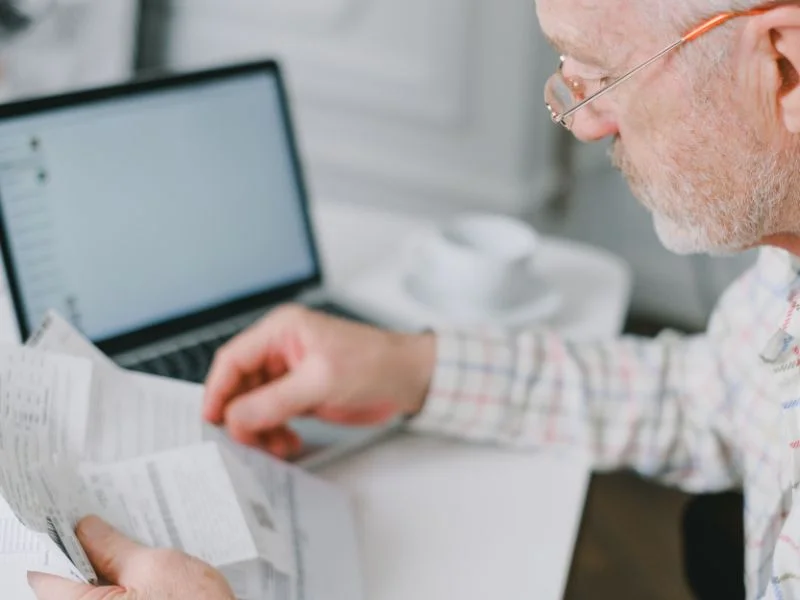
(414, 102)
(81, 44)
(428, 190)
(302, 15)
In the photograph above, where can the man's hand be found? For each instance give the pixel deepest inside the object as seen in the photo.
(296, 362)
(138, 573)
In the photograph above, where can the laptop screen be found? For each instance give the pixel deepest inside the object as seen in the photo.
(139, 208)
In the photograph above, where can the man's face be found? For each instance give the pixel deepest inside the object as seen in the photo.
(691, 150)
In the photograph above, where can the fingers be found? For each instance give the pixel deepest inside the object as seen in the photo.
(377, 414)
(272, 405)
(281, 442)
(109, 551)
(50, 587)
(254, 351)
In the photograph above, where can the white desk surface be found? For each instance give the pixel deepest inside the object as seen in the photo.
(442, 520)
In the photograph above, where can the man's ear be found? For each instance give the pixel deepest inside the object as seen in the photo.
(773, 39)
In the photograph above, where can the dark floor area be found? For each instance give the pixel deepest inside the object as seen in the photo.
(630, 541)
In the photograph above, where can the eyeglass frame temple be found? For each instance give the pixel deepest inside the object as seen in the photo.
(600, 93)
(695, 33)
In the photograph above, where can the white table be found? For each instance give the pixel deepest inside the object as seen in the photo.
(441, 519)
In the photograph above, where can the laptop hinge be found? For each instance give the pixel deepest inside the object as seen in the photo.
(214, 331)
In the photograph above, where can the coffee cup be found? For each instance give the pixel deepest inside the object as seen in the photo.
(473, 263)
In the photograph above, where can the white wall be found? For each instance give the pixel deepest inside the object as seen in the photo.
(431, 104)
(84, 43)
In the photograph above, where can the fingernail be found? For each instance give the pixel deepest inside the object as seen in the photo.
(93, 529)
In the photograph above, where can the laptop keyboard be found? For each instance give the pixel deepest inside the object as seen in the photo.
(190, 363)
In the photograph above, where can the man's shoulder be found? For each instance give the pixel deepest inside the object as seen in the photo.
(776, 266)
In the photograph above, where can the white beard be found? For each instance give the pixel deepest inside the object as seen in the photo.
(684, 239)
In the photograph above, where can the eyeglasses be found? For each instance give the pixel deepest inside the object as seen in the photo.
(565, 96)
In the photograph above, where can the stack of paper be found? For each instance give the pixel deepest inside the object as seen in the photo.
(80, 436)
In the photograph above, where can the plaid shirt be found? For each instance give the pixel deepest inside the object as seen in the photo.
(704, 413)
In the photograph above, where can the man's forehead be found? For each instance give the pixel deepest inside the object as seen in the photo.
(585, 29)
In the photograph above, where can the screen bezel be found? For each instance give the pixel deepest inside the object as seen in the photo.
(176, 326)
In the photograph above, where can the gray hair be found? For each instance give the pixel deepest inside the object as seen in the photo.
(683, 14)
(687, 12)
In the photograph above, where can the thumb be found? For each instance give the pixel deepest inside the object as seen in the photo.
(109, 551)
(50, 587)
(273, 404)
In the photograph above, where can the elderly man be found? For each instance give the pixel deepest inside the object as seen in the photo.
(707, 132)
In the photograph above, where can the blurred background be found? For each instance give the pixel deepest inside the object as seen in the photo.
(415, 105)
(428, 107)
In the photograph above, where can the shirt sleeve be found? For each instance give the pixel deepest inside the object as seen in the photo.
(653, 405)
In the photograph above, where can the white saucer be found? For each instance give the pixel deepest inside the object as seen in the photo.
(537, 302)
(383, 291)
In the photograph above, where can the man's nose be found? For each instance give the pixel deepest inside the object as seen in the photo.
(592, 126)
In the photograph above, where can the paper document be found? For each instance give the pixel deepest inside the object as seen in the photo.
(37, 532)
(44, 402)
(130, 414)
(196, 499)
(322, 525)
(132, 448)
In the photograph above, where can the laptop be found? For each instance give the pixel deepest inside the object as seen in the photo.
(160, 217)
